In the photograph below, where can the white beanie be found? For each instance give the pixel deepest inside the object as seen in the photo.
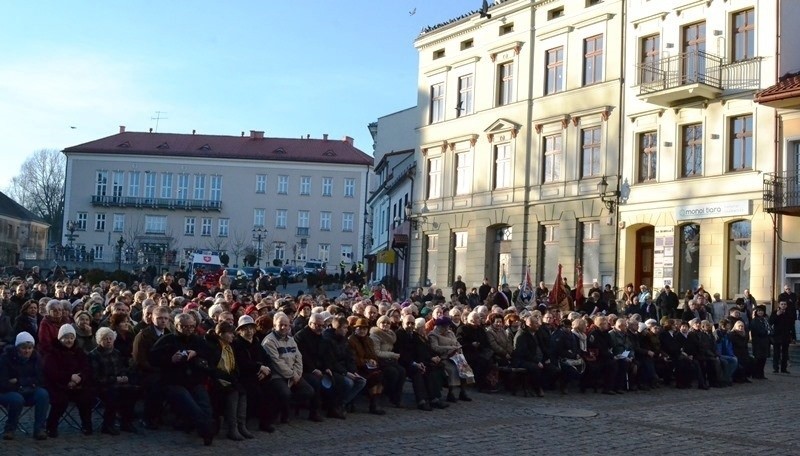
(66, 329)
(24, 338)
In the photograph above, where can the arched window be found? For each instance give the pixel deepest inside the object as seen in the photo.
(739, 234)
(688, 257)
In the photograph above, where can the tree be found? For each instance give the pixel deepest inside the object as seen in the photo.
(39, 187)
(239, 243)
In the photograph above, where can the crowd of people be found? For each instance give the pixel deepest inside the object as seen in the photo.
(217, 358)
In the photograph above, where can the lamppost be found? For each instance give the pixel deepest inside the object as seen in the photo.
(71, 227)
(258, 235)
(120, 243)
(610, 199)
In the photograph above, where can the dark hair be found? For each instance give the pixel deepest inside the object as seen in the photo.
(115, 319)
(224, 327)
(27, 304)
(338, 321)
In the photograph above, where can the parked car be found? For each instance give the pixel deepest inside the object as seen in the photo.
(273, 271)
(251, 272)
(294, 273)
(313, 266)
(239, 278)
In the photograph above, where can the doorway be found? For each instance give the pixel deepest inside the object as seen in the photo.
(645, 243)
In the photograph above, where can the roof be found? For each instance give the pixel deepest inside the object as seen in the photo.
(13, 209)
(431, 28)
(787, 87)
(218, 146)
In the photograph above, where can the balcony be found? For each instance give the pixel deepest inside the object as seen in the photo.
(782, 193)
(694, 76)
(302, 231)
(157, 203)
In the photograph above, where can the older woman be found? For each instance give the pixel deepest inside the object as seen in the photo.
(227, 392)
(738, 338)
(120, 323)
(445, 344)
(112, 377)
(478, 352)
(84, 333)
(384, 340)
(21, 383)
(28, 319)
(501, 345)
(367, 362)
(67, 377)
(253, 364)
(49, 326)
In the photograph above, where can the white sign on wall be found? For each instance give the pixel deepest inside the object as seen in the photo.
(711, 210)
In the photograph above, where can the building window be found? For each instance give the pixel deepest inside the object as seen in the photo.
(739, 234)
(166, 185)
(280, 218)
(692, 151)
(549, 238)
(216, 187)
(259, 217)
(347, 221)
(459, 255)
(101, 186)
(156, 224)
(279, 252)
(305, 185)
(465, 96)
(590, 150)
(552, 158)
(324, 252)
(302, 219)
(80, 224)
(554, 80)
(431, 259)
(327, 186)
(648, 156)
(741, 143)
(590, 251)
(502, 166)
(506, 29)
(694, 48)
(648, 58)
(434, 178)
(116, 183)
(119, 223)
(437, 103)
(593, 60)
(283, 185)
(97, 252)
(100, 222)
(689, 257)
(325, 221)
(555, 13)
(744, 34)
(133, 183)
(349, 187)
(205, 226)
(223, 225)
(505, 93)
(466, 44)
(463, 173)
(261, 183)
(188, 226)
(438, 54)
(183, 187)
(347, 253)
(199, 186)
(150, 185)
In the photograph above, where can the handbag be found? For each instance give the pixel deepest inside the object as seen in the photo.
(464, 369)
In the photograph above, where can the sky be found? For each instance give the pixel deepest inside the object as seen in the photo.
(74, 71)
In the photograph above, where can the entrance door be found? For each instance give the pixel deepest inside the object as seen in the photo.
(645, 242)
(694, 48)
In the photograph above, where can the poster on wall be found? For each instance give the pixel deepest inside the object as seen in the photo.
(663, 256)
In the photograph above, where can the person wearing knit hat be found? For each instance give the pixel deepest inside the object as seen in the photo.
(66, 374)
(65, 330)
(24, 362)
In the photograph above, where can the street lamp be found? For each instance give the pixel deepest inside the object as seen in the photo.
(609, 199)
(258, 235)
(415, 219)
(120, 243)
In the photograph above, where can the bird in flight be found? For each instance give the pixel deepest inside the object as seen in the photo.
(484, 10)
(72, 127)
(412, 12)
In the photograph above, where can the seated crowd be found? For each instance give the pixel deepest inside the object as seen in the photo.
(224, 357)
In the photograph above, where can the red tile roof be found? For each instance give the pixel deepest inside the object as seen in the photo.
(787, 87)
(217, 146)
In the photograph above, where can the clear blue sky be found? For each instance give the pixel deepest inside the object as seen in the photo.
(289, 68)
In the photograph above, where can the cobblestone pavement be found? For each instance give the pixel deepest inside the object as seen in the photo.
(750, 419)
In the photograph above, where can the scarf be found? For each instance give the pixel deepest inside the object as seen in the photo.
(387, 337)
(227, 363)
(581, 339)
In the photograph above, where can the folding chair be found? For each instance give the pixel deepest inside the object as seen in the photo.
(20, 427)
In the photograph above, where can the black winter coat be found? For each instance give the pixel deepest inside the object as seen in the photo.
(760, 331)
(28, 372)
(342, 357)
(526, 349)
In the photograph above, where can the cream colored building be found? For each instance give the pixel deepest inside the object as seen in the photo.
(519, 121)
(167, 195)
(23, 235)
(696, 148)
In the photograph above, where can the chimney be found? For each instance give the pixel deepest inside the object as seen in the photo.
(242, 134)
(122, 128)
(308, 136)
(324, 136)
(194, 131)
(348, 140)
(151, 129)
(255, 134)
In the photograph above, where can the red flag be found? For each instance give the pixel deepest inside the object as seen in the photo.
(528, 283)
(579, 287)
(557, 294)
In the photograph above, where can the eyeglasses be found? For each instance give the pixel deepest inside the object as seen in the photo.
(187, 326)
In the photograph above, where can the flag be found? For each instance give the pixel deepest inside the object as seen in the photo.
(526, 293)
(579, 287)
(557, 294)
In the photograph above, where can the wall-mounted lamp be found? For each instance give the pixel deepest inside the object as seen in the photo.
(610, 199)
(415, 219)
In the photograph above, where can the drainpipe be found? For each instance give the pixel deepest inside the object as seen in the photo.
(407, 260)
(776, 221)
(621, 141)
